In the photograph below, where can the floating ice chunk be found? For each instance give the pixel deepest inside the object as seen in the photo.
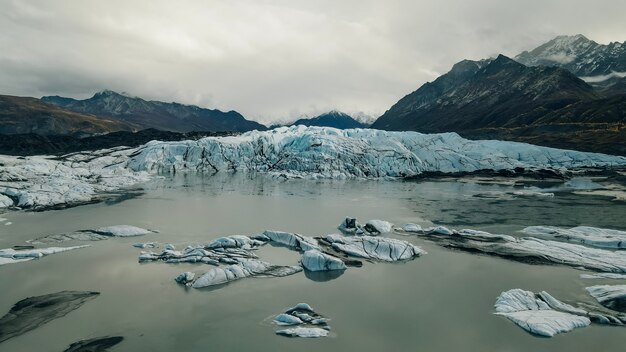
(33, 312)
(535, 250)
(121, 231)
(603, 276)
(350, 226)
(376, 248)
(303, 332)
(146, 245)
(315, 260)
(5, 201)
(10, 255)
(533, 314)
(185, 278)
(378, 227)
(169, 247)
(235, 241)
(441, 230)
(287, 319)
(610, 296)
(246, 268)
(590, 236)
(96, 344)
(292, 240)
(412, 228)
(302, 307)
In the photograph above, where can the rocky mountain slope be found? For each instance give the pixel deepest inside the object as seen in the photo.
(333, 118)
(30, 115)
(504, 99)
(155, 114)
(579, 55)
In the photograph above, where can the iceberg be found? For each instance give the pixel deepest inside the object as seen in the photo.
(315, 260)
(303, 316)
(33, 312)
(603, 276)
(246, 268)
(540, 314)
(610, 296)
(98, 234)
(291, 240)
(11, 256)
(121, 231)
(375, 248)
(303, 332)
(590, 236)
(533, 250)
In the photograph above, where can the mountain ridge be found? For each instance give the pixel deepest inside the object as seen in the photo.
(173, 116)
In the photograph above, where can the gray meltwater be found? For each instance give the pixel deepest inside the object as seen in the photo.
(442, 301)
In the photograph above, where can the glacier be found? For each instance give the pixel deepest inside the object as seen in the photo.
(286, 152)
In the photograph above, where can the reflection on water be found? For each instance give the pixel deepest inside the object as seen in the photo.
(439, 302)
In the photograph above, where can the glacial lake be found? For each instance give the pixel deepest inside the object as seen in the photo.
(442, 301)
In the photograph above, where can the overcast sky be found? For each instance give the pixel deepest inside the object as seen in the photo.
(273, 60)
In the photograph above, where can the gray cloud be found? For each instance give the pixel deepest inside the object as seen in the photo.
(273, 60)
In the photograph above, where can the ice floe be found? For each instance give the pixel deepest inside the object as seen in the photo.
(532, 250)
(412, 228)
(291, 240)
(98, 234)
(590, 236)
(121, 231)
(314, 260)
(306, 320)
(98, 344)
(5, 201)
(303, 332)
(32, 312)
(185, 278)
(11, 256)
(245, 268)
(538, 315)
(610, 296)
(603, 276)
(376, 248)
(350, 226)
(199, 254)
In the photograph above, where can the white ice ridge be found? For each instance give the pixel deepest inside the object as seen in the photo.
(10, 255)
(332, 153)
(540, 314)
(101, 233)
(590, 236)
(312, 152)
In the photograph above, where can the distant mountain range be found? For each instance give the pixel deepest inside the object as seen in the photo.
(155, 114)
(333, 118)
(31, 115)
(502, 98)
